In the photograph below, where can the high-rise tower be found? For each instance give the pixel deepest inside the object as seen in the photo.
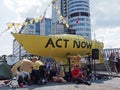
(76, 13)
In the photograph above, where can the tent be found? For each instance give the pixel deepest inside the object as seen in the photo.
(5, 72)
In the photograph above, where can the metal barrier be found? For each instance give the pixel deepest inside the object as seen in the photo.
(111, 50)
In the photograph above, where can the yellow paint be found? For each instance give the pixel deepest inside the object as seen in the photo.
(35, 44)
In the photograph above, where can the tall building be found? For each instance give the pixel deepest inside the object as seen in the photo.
(39, 28)
(33, 28)
(45, 27)
(76, 13)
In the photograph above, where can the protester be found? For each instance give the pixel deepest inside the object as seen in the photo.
(113, 62)
(68, 74)
(22, 76)
(35, 74)
(36, 63)
(117, 61)
(56, 77)
(78, 76)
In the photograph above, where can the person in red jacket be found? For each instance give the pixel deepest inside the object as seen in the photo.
(78, 76)
(76, 72)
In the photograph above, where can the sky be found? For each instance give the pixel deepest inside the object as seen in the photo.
(105, 20)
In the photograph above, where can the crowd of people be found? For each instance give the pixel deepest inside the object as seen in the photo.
(52, 71)
(40, 74)
(49, 72)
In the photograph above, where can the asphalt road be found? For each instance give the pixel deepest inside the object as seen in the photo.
(111, 84)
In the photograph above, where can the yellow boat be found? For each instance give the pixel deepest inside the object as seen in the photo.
(57, 46)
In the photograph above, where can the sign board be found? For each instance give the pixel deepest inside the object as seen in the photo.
(75, 60)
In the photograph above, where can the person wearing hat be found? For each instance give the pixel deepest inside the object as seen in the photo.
(36, 63)
(35, 74)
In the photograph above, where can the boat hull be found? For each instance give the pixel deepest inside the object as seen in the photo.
(56, 46)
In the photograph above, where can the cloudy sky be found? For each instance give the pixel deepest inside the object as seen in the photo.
(105, 20)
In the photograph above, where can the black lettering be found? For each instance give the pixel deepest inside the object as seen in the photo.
(83, 44)
(57, 43)
(50, 42)
(76, 44)
(66, 42)
(89, 45)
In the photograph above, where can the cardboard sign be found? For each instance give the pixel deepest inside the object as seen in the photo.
(75, 60)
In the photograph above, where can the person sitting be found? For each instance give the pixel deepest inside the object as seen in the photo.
(22, 76)
(86, 72)
(54, 77)
(59, 79)
(36, 63)
(35, 74)
(78, 76)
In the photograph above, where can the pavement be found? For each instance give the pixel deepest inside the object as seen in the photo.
(108, 84)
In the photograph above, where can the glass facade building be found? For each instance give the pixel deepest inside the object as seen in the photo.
(33, 28)
(77, 14)
(47, 26)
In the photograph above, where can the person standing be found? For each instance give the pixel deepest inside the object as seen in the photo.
(113, 62)
(117, 58)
